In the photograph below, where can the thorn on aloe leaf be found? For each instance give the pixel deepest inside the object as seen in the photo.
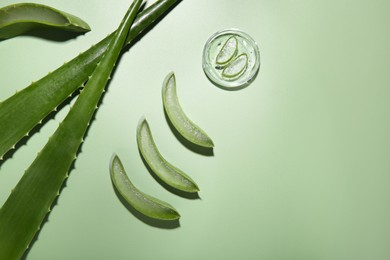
(48, 190)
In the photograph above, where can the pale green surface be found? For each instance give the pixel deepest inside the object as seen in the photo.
(301, 159)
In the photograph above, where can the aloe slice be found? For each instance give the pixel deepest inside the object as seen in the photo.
(236, 67)
(20, 18)
(30, 201)
(228, 51)
(179, 119)
(168, 173)
(142, 202)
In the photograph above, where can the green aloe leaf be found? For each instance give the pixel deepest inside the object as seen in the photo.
(20, 113)
(20, 18)
(29, 202)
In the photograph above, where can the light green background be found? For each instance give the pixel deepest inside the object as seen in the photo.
(301, 164)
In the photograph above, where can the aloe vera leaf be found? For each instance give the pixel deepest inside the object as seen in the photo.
(25, 109)
(168, 173)
(142, 202)
(26, 207)
(20, 18)
(188, 129)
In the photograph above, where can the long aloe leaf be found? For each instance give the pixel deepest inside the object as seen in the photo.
(26, 207)
(24, 110)
(20, 18)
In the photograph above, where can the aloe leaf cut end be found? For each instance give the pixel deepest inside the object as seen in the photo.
(20, 18)
(20, 113)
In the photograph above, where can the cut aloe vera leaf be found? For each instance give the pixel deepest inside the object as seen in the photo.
(228, 51)
(20, 18)
(21, 112)
(188, 129)
(26, 207)
(168, 173)
(236, 67)
(142, 202)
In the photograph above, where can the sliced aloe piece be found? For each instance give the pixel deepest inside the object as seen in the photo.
(179, 119)
(142, 202)
(228, 51)
(236, 67)
(20, 18)
(168, 173)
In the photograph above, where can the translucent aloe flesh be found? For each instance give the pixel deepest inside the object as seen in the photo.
(236, 67)
(26, 207)
(179, 119)
(142, 202)
(228, 51)
(168, 173)
(20, 18)
(24, 110)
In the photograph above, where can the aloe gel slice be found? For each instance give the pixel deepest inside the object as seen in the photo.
(228, 51)
(168, 173)
(236, 67)
(20, 18)
(142, 202)
(188, 129)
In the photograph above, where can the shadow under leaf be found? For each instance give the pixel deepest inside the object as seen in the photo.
(52, 34)
(36, 129)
